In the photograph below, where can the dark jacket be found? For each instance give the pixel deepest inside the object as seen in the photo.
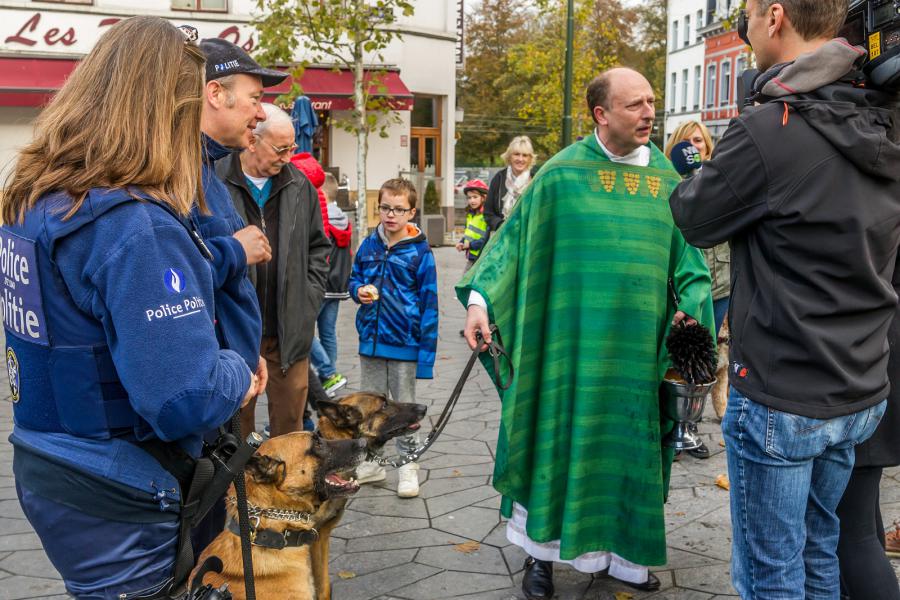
(883, 448)
(493, 206)
(238, 324)
(300, 252)
(340, 262)
(806, 186)
(403, 323)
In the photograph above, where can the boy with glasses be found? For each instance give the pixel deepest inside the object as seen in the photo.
(395, 282)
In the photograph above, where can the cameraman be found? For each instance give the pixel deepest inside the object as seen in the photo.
(806, 186)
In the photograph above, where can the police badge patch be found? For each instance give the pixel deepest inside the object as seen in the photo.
(12, 369)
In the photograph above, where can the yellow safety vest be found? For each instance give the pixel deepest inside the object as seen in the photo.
(476, 229)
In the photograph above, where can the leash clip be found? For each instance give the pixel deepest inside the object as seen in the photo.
(254, 525)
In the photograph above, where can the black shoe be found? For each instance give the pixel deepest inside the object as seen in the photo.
(462, 333)
(651, 585)
(701, 451)
(537, 584)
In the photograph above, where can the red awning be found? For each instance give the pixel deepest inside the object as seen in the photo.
(329, 89)
(32, 81)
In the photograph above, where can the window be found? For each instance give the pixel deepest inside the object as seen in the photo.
(684, 90)
(425, 112)
(687, 30)
(699, 25)
(673, 90)
(739, 67)
(674, 35)
(725, 79)
(205, 5)
(698, 81)
(710, 85)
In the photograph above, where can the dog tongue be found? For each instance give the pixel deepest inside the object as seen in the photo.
(334, 479)
(414, 426)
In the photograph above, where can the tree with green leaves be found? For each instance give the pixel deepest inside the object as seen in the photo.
(346, 34)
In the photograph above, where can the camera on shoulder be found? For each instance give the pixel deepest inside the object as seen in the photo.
(875, 25)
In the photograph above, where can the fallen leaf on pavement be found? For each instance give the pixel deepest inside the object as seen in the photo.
(679, 514)
(722, 443)
(456, 473)
(623, 596)
(346, 574)
(467, 547)
(722, 482)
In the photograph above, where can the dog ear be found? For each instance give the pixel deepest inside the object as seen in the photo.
(266, 469)
(341, 415)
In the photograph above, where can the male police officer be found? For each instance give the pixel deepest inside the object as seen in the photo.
(806, 185)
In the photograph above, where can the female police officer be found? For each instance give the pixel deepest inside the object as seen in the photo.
(108, 310)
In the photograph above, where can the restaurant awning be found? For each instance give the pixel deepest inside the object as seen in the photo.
(331, 89)
(32, 81)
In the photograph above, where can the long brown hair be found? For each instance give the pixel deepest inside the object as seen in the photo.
(129, 115)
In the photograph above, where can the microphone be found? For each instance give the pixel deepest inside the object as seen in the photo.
(685, 158)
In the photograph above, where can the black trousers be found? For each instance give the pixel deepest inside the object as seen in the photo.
(866, 572)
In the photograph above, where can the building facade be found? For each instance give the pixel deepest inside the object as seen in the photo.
(684, 61)
(41, 42)
(725, 58)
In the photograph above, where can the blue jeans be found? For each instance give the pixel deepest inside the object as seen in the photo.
(720, 309)
(787, 475)
(323, 353)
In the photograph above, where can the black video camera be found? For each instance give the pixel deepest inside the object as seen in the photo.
(875, 25)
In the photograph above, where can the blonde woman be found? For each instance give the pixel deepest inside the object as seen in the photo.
(111, 348)
(718, 259)
(508, 184)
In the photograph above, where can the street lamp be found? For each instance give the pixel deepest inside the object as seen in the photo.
(567, 86)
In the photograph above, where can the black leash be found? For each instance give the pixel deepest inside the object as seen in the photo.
(496, 350)
(240, 488)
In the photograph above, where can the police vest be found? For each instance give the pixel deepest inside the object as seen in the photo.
(476, 229)
(61, 373)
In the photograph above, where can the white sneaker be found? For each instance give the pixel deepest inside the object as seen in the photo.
(370, 472)
(408, 480)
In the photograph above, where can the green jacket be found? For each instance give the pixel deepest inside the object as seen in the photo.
(718, 259)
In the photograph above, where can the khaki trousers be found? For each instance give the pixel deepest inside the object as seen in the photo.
(286, 393)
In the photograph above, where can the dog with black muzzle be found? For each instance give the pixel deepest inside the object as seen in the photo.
(288, 480)
(367, 416)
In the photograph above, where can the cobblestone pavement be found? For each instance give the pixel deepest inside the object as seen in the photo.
(388, 548)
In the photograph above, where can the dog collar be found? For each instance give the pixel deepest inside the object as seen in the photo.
(276, 514)
(276, 540)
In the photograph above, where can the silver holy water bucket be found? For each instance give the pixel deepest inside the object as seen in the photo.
(683, 403)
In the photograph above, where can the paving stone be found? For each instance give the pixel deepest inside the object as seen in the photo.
(392, 506)
(456, 500)
(493, 503)
(679, 559)
(709, 535)
(466, 448)
(362, 563)
(20, 541)
(380, 582)
(419, 538)
(8, 526)
(19, 587)
(32, 563)
(485, 468)
(451, 584)
(515, 557)
(470, 522)
(484, 560)
(715, 579)
(11, 509)
(440, 486)
(454, 461)
(377, 526)
(497, 536)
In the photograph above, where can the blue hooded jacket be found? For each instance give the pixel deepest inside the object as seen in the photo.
(403, 323)
(238, 318)
(121, 281)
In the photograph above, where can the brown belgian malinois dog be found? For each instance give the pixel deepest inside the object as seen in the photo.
(288, 480)
(366, 416)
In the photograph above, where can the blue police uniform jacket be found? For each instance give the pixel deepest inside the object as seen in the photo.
(403, 323)
(238, 318)
(110, 340)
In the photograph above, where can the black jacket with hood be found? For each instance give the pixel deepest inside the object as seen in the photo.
(300, 248)
(806, 186)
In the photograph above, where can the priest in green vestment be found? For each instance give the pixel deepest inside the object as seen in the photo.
(577, 282)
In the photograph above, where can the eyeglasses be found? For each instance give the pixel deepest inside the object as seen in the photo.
(390, 211)
(191, 35)
(280, 151)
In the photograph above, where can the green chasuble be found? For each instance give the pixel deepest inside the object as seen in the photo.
(576, 280)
